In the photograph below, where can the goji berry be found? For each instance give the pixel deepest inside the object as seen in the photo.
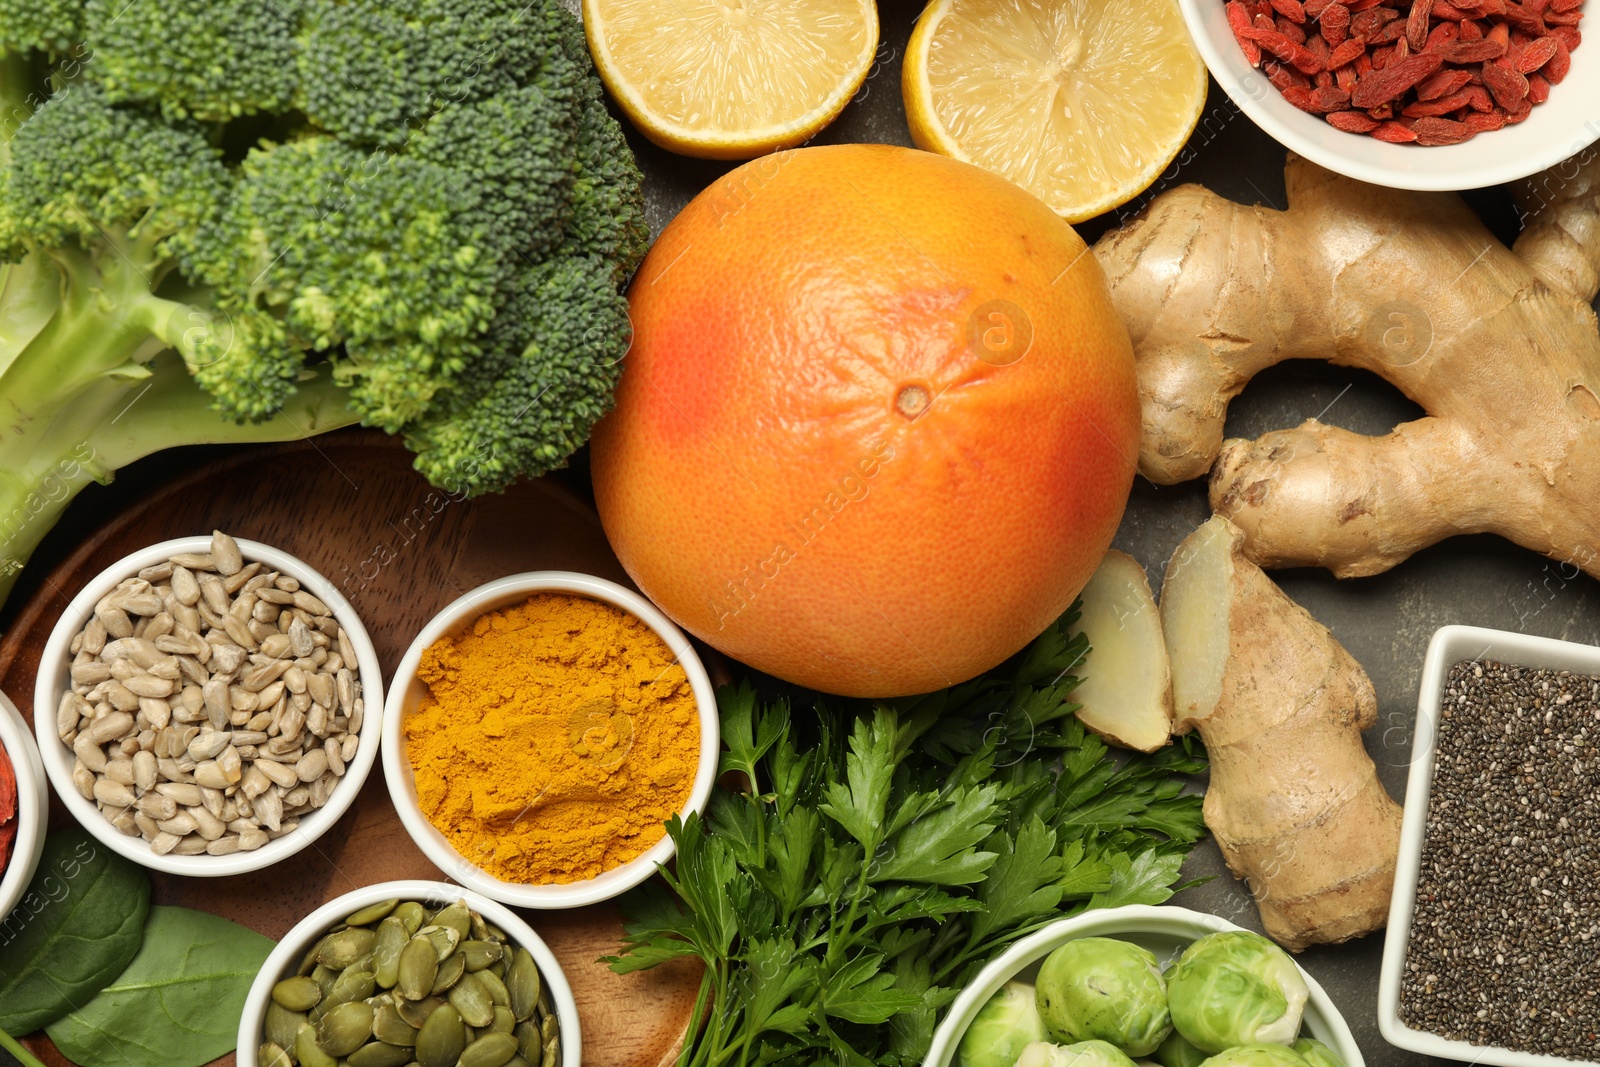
(1537, 54)
(1393, 132)
(1442, 84)
(1561, 62)
(1508, 86)
(1353, 122)
(1437, 131)
(1538, 89)
(1390, 83)
(1417, 23)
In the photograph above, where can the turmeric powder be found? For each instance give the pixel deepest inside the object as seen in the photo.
(557, 738)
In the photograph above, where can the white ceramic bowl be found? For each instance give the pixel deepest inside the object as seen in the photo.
(55, 663)
(1449, 646)
(33, 800)
(1166, 931)
(1558, 128)
(406, 690)
(285, 959)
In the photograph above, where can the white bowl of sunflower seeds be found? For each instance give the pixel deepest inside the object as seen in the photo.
(216, 705)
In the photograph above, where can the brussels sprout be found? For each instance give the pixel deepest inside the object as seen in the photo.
(1235, 988)
(1257, 1056)
(1099, 988)
(1082, 1054)
(1002, 1028)
(1176, 1051)
(1316, 1053)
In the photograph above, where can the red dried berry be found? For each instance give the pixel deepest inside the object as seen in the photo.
(1508, 86)
(1433, 108)
(1239, 23)
(1442, 84)
(1480, 98)
(1484, 122)
(1292, 10)
(1555, 71)
(1538, 89)
(1388, 84)
(1394, 133)
(1417, 24)
(1537, 54)
(1335, 24)
(1352, 122)
(1437, 131)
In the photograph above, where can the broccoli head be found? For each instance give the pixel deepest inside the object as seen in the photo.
(419, 216)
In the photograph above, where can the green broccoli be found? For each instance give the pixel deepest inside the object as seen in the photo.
(313, 213)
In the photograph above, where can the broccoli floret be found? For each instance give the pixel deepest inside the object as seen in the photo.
(50, 26)
(558, 351)
(236, 221)
(212, 61)
(135, 180)
(381, 253)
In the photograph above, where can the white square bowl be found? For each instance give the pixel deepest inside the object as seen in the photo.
(1449, 646)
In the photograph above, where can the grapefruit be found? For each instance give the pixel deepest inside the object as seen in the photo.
(878, 424)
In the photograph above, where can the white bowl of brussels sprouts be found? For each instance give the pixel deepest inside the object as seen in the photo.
(1240, 1001)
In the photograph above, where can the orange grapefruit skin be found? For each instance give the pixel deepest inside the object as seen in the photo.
(829, 458)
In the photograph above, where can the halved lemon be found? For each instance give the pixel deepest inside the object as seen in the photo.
(731, 79)
(1081, 102)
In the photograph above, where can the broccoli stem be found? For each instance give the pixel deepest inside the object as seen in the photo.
(81, 394)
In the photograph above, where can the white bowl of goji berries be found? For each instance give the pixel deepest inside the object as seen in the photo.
(1478, 71)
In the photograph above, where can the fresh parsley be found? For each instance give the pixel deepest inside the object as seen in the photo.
(879, 854)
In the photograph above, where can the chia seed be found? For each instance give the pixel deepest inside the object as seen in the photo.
(1505, 935)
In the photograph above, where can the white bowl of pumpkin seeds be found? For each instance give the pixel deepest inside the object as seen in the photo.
(208, 707)
(410, 972)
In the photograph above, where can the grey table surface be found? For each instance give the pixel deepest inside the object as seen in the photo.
(1385, 621)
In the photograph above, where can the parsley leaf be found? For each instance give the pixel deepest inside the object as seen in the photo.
(868, 859)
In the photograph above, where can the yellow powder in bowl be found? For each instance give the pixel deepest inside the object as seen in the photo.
(557, 737)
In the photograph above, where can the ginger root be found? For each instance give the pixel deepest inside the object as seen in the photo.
(1126, 693)
(1499, 346)
(1294, 801)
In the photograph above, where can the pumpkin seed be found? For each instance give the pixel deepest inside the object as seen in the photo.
(270, 1055)
(416, 1012)
(345, 1028)
(324, 977)
(490, 1050)
(442, 1039)
(530, 1042)
(281, 1024)
(412, 915)
(354, 983)
(342, 949)
(377, 1054)
(417, 968)
(372, 913)
(481, 953)
(523, 985)
(308, 1052)
(297, 994)
(471, 999)
(450, 972)
(549, 1028)
(392, 937)
(456, 917)
(552, 1053)
(518, 1061)
(390, 1027)
(444, 939)
(497, 988)
(504, 1022)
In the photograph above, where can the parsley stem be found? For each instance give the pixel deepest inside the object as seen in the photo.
(13, 1046)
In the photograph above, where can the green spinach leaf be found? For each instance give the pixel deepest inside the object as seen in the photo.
(177, 1004)
(75, 929)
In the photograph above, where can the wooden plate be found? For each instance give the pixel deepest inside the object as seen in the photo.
(351, 506)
